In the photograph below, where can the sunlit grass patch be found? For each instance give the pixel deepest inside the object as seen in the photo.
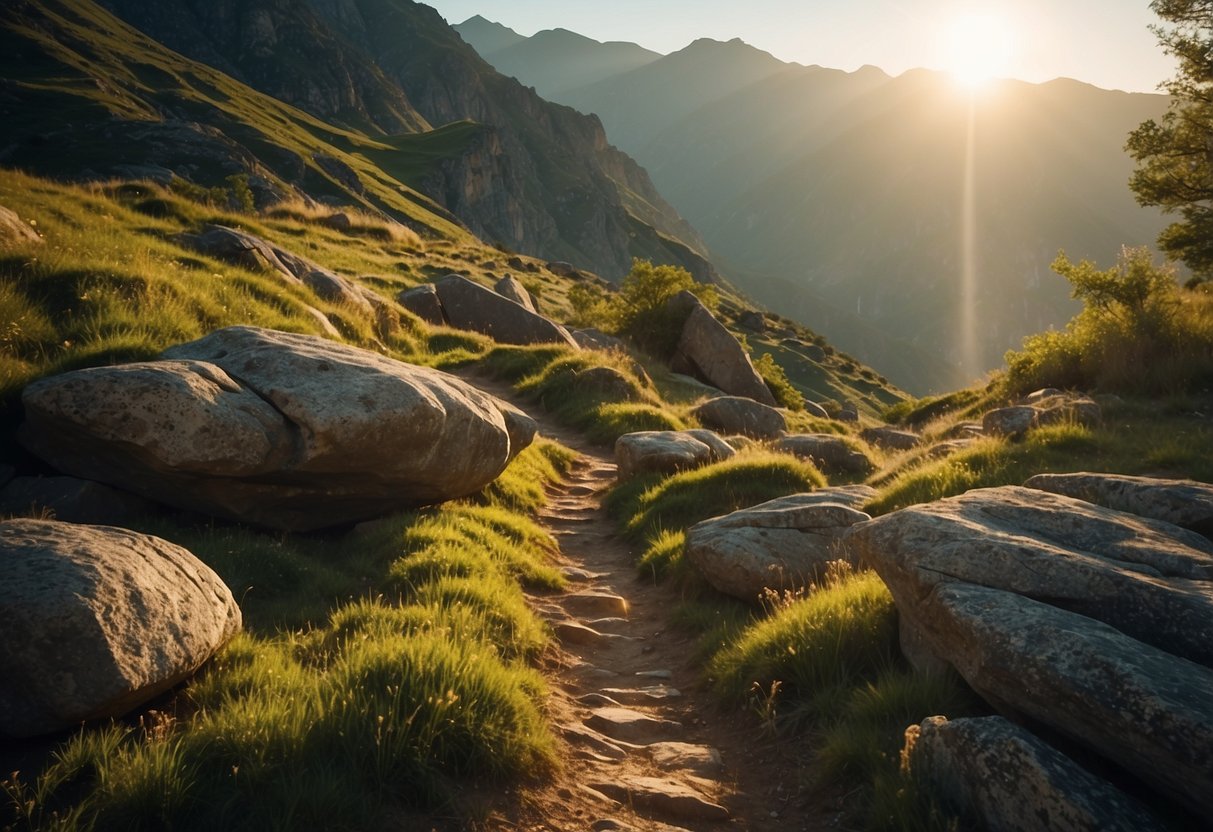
(647, 506)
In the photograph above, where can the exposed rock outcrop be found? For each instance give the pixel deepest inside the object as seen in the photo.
(1185, 503)
(1008, 780)
(99, 620)
(668, 451)
(781, 544)
(737, 414)
(709, 352)
(288, 431)
(1091, 621)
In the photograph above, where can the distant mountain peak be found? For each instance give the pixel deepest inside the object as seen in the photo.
(487, 36)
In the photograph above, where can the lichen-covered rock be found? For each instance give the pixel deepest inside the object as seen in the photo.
(98, 620)
(14, 231)
(1149, 579)
(1185, 503)
(289, 431)
(468, 305)
(1008, 780)
(1146, 710)
(786, 543)
(668, 451)
(1009, 421)
(738, 414)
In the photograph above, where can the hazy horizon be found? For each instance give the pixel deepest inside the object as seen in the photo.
(1042, 40)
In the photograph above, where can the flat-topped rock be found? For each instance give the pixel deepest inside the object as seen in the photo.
(590, 602)
(894, 438)
(675, 756)
(786, 543)
(667, 797)
(668, 451)
(99, 620)
(738, 414)
(1149, 579)
(632, 726)
(1185, 503)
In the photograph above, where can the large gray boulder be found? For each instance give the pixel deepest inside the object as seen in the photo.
(1144, 709)
(1008, 780)
(708, 351)
(829, 452)
(468, 305)
(668, 451)
(289, 431)
(98, 620)
(248, 251)
(738, 414)
(1185, 503)
(782, 544)
(1149, 579)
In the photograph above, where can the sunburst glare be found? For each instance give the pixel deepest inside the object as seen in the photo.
(977, 47)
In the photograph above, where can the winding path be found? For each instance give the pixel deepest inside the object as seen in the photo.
(645, 747)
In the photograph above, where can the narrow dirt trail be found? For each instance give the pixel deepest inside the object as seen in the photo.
(645, 746)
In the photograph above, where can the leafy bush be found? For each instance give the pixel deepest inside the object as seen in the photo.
(777, 382)
(1138, 333)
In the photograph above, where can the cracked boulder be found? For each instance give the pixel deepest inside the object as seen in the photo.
(782, 544)
(288, 431)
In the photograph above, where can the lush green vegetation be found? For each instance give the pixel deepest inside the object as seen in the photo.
(1138, 333)
(416, 675)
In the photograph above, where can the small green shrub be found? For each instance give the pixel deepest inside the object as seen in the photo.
(777, 382)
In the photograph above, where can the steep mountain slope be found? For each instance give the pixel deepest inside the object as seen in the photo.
(86, 96)
(837, 197)
(556, 60)
(532, 176)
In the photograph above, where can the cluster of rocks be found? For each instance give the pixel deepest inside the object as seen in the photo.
(708, 351)
(1093, 623)
(668, 451)
(1044, 407)
(507, 315)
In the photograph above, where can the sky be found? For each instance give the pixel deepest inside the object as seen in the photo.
(1103, 42)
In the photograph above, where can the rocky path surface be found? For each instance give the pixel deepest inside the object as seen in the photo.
(645, 747)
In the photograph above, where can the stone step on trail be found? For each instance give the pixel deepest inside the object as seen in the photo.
(595, 603)
(597, 742)
(570, 631)
(649, 695)
(666, 797)
(632, 726)
(701, 760)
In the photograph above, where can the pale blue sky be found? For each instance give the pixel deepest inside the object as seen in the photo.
(1103, 42)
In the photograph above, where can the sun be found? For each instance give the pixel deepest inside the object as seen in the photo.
(977, 48)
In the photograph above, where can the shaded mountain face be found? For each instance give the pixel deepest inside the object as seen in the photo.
(837, 198)
(535, 177)
(555, 61)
